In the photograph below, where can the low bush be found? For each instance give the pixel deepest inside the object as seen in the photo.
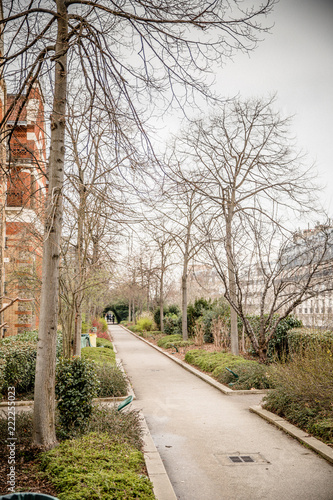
(23, 432)
(145, 323)
(121, 436)
(213, 362)
(95, 467)
(100, 324)
(173, 309)
(303, 392)
(20, 368)
(18, 363)
(122, 427)
(112, 381)
(100, 355)
(196, 311)
(172, 324)
(76, 386)
(220, 310)
(168, 341)
(104, 343)
(251, 375)
(103, 335)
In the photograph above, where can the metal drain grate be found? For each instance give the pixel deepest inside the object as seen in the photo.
(241, 459)
(247, 459)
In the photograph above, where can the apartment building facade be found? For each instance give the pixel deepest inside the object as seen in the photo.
(25, 198)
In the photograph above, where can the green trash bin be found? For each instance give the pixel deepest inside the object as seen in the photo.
(27, 496)
(85, 340)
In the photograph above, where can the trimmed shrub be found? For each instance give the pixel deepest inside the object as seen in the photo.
(214, 362)
(101, 342)
(95, 467)
(173, 340)
(101, 355)
(20, 368)
(18, 362)
(76, 386)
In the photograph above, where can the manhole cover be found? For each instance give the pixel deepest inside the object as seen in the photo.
(241, 458)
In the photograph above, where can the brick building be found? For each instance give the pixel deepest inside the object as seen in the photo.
(2, 177)
(25, 199)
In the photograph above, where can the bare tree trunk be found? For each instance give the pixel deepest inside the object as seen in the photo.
(79, 275)
(232, 290)
(161, 304)
(44, 400)
(184, 303)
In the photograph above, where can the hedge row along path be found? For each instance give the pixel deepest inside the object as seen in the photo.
(196, 430)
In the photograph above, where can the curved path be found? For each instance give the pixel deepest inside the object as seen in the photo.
(196, 429)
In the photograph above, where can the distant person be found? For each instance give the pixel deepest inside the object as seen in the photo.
(113, 319)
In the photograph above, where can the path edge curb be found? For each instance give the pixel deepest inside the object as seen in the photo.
(303, 437)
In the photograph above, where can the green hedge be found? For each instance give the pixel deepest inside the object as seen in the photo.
(101, 355)
(94, 467)
(76, 386)
(308, 338)
(213, 362)
(18, 362)
(173, 340)
(103, 343)
(251, 374)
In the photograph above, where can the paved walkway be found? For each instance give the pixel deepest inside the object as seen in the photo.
(196, 428)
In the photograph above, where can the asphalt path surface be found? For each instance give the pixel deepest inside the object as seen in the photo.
(196, 430)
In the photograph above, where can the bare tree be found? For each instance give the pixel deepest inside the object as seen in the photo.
(174, 43)
(243, 161)
(281, 273)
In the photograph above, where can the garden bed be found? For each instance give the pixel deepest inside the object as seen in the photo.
(103, 463)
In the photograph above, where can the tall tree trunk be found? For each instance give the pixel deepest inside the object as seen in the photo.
(184, 297)
(162, 303)
(79, 274)
(184, 307)
(232, 289)
(44, 400)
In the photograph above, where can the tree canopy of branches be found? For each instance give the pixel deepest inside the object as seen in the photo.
(124, 51)
(244, 163)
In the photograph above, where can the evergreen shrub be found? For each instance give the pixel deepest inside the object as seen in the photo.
(76, 386)
(94, 467)
(173, 340)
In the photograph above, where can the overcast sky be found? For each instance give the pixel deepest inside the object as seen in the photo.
(296, 61)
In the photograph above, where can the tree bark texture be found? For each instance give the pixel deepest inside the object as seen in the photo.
(44, 400)
(232, 290)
